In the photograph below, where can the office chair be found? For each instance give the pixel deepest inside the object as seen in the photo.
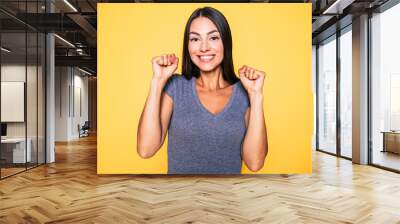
(84, 130)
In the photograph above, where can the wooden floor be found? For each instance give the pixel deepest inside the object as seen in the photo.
(70, 191)
(8, 171)
(5, 172)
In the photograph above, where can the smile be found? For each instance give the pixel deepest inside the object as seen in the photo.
(206, 58)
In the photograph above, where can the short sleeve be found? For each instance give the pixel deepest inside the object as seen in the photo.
(170, 86)
(244, 95)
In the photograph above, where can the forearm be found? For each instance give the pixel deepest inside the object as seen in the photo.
(255, 145)
(150, 129)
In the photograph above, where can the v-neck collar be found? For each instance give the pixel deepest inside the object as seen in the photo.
(204, 109)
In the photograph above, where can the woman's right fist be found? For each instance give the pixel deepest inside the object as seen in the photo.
(164, 66)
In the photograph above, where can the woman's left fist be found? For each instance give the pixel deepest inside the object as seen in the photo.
(252, 79)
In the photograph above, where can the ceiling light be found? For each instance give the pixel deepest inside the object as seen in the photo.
(84, 71)
(65, 41)
(5, 50)
(70, 5)
(338, 6)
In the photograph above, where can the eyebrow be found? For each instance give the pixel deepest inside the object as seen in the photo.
(212, 31)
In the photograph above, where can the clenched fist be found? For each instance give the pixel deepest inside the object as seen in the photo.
(164, 66)
(252, 79)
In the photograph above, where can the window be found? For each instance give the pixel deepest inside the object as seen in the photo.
(346, 93)
(327, 95)
(385, 88)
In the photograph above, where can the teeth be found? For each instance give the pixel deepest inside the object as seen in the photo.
(206, 58)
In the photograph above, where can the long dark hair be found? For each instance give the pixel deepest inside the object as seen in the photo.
(189, 69)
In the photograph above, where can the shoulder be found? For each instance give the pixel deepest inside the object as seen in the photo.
(177, 79)
(175, 84)
(241, 90)
(242, 93)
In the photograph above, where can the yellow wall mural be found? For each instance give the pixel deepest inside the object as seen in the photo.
(275, 38)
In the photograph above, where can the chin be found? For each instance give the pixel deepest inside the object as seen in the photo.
(207, 68)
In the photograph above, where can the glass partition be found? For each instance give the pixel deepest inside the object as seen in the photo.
(22, 88)
(327, 95)
(385, 89)
(346, 92)
(32, 96)
(14, 153)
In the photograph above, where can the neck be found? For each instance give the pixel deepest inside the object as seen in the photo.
(212, 80)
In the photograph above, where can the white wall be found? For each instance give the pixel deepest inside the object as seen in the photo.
(62, 81)
(71, 94)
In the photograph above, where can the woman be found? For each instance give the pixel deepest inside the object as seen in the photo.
(214, 119)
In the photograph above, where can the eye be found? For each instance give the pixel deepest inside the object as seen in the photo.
(214, 38)
(193, 39)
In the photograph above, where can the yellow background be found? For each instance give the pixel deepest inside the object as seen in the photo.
(275, 38)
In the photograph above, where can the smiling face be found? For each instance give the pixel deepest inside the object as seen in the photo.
(205, 44)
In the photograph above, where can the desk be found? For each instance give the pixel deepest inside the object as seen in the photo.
(391, 141)
(17, 150)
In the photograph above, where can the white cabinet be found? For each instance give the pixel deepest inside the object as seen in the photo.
(18, 149)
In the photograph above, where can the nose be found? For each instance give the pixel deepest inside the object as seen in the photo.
(204, 46)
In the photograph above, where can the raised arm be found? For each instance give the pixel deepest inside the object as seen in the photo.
(154, 120)
(255, 143)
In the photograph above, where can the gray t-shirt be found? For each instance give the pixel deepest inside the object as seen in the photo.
(200, 142)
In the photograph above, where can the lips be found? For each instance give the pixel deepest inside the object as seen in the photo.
(206, 58)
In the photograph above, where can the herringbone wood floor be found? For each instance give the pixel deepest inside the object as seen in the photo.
(70, 191)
